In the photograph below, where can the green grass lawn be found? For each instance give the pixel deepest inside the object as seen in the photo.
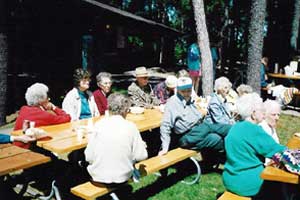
(210, 183)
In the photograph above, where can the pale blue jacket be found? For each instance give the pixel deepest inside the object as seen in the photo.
(179, 117)
(217, 111)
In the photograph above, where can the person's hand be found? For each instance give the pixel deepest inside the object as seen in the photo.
(49, 106)
(162, 152)
(24, 138)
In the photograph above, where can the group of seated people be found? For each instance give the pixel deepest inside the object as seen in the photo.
(237, 123)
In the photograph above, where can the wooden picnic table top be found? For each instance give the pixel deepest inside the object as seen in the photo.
(274, 174)
(283, 76)
(14, 158)
(64, 137)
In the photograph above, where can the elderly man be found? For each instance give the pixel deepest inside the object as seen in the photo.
(115, 146)
(140, 92)
(182, 118)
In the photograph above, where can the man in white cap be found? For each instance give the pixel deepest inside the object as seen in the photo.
(141, 92)
(165, 89)
(182, 118)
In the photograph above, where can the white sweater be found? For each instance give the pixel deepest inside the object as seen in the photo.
(113, 149)
(72, 104)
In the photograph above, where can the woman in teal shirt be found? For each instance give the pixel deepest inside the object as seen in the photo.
(246, 145)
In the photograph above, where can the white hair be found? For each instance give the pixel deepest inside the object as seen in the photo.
(36, 93)
(244, 89)
(270, 105)
(103, 75)
(222, 82)
(118, 103)
(247, 104)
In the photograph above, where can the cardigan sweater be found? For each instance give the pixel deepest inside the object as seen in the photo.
(40, 117)
(101, 101)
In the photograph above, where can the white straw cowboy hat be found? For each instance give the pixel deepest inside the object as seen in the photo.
(171, 81)
(141, 72)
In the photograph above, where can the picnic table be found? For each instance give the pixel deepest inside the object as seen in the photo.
(274, 174)
(64, 137)
(14, 158)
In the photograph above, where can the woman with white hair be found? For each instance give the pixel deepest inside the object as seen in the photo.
(104, 83)
(244, 89)
(245, 145)
(217, 110)
(39, 109)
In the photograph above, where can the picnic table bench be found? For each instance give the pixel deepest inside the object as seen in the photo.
(13, 158)
(89, 191)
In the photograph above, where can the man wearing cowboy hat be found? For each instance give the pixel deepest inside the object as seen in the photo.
(141, 92)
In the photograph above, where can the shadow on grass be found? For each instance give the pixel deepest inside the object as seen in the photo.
(183, 171)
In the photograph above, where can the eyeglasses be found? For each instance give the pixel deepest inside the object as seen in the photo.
(106, 83)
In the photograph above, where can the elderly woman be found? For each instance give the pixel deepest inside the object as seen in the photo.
(104, 83)
(244, 89)
(37, 109)
(115, 146)
(245, 145)
(217, 110)
(80, 102)
(140, 92)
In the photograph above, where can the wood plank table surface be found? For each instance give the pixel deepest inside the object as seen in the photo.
(14, 158)
(283, 76)
(64, 137)
(274, 174)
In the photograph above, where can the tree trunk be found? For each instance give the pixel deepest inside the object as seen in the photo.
(203, 43)
(255, 43)
(3, 62)
(295, 25)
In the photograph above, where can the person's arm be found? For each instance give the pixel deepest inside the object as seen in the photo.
(21, 138)
(4, 138)
(139, 150)
(165, 130)
(69, 104)
(265, 145)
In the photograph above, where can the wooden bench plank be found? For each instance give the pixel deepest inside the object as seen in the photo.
(21, 161)
(230, 196)
(157, 163)
(89, 191)
(275, 174)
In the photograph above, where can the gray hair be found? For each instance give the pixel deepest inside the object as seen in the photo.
(244, 89)
(103, 75)
(118, 103)
(247, 104)
(221, 83)
(270, 105)
(36, 93)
